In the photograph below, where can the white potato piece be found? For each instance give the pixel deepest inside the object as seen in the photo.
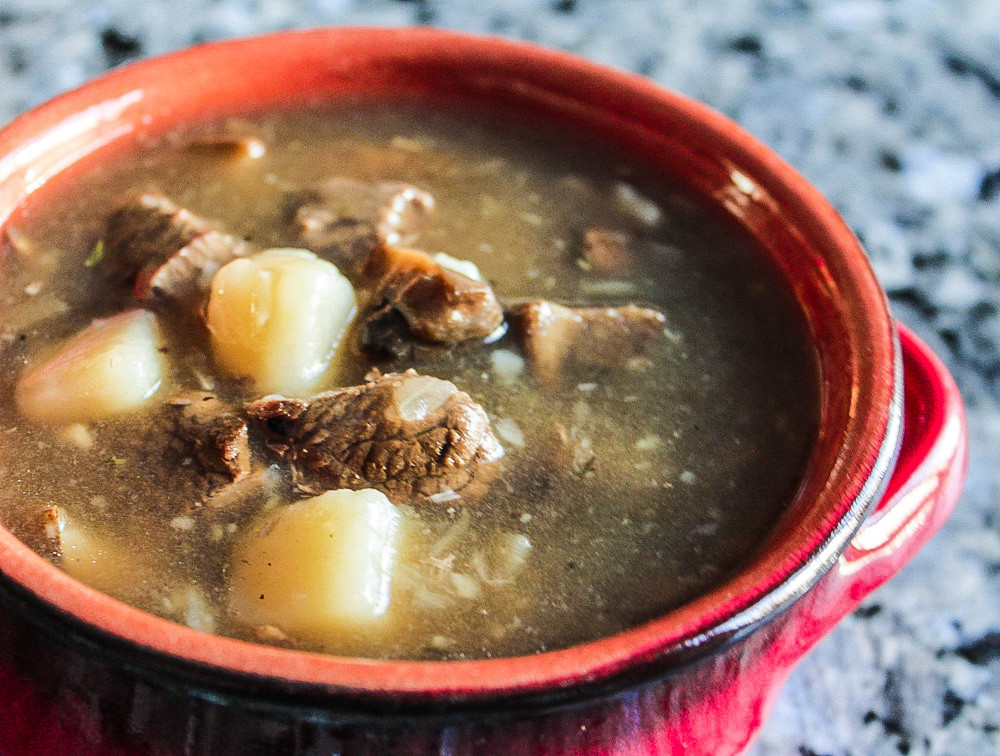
(277, 317)
(100, 562)
(318, 566)
(111, 367)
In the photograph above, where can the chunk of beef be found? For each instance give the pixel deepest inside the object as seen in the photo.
(203, 427)
(430, 301)
(187, 275)
(607, 252)
(345, 220)
(361, 228)
(169, 253)
(410, 436)
(204, 445)
(553, 336)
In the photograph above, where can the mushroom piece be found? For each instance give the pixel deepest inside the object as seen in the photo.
(345, 220)
(410, 436)
(431, 298)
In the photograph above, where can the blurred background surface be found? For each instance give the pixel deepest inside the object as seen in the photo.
(892, 109)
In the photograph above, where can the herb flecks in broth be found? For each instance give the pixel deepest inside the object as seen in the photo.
(610, 404)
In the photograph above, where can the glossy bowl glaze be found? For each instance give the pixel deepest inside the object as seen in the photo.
(107, 678)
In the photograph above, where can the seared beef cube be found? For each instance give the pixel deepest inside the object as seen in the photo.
(187, 275)
(553, 336)
(212, 432)
(344, 241)
(344, 220)
(204, 445)
(437, 303)
(146, 229)
(410, 436)
(168, 252)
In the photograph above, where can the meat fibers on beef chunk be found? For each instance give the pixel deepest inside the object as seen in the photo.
(553, 336)
(436, 303)
(410, 436)
(209, 431)
(168, 252)
(344, 220)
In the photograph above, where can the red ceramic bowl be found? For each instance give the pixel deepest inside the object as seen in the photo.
(92, 675)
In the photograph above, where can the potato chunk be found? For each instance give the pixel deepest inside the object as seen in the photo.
(111, 367)
(277, 317)
(98, 561)
(319, 565)
(89, 555)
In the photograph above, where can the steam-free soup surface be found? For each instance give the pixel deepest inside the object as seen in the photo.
(625, 489)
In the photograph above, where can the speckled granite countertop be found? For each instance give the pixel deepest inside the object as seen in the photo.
(892, 108)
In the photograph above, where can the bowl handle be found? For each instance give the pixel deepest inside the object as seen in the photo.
(927, 479)
(921, 493)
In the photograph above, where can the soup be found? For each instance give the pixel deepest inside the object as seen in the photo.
(453, 388)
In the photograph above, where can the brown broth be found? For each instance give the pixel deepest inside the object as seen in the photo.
(682, 467)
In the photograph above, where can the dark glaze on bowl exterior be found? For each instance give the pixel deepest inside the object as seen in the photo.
(106, 678)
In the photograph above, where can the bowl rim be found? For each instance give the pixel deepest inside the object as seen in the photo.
(858, 469)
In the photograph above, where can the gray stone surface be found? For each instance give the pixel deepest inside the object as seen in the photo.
(892, 108)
